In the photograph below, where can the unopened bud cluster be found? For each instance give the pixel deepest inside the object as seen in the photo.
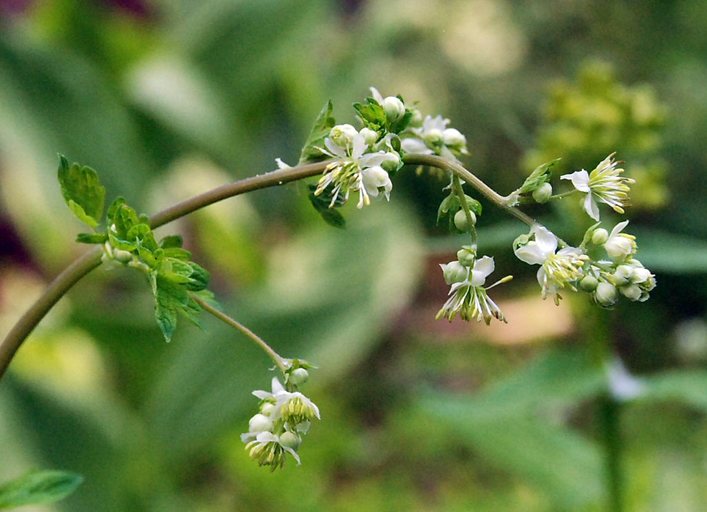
(284, 416)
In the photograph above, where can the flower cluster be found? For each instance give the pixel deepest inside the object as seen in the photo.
(603, 265)
(604, 184)
(468, 296)
(358, 165)
(431, 136)
(284, 416)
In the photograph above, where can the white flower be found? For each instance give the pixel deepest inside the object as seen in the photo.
(603, 184)
(468, 295)
(268, 450)
(376, 180)
(433, 137)
(557, 270)
(620, 245)
(622, 385)
(346, 173)
(289, 405)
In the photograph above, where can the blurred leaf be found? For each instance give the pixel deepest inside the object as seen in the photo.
(38, 487)
(564, 465)
(563, 376)
(662, 251)
(687, 386)
(83, 192)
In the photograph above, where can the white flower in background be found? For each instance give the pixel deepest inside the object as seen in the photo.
(620, 245)
(622, 385)
(604, 184)
(557, 270)
(433, 137)
(468, 295)
(352, 163)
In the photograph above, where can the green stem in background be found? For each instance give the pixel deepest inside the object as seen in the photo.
(609, 419)
(92, 258)
(608, 409)
(280, 361)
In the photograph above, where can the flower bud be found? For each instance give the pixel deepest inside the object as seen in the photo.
(392, 162)
(466, 256)
(605, 294)
(454, 272)
(260, 423)
(622, 275)
(122, 256)
(632, 292)
(600, 236)
(298, 376)
(370, 136)
(589, 283)
(433, 136)
(267, 408)
(453, 138)
(461, 221)
(290, 440)
(394, 108)
(620, 246)
(543, 193)
(342, 134)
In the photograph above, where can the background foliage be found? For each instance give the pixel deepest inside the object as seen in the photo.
(166, 99)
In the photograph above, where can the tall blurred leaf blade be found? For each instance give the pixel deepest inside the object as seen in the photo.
(686, 386)
(82, 190)
(559, 377)
(662, 251)
(330, 299)
(564, 465)
(38, 487)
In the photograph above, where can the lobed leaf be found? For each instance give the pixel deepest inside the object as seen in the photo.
(82, 190)
(322, 126)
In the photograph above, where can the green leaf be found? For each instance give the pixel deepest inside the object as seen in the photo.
(538, 177)
(670, 253)
(322, 126)
(38, 487)
(171, 241)
(169, 299)
(371, 114)
(82, 191)
(686, 386)
(329, 213)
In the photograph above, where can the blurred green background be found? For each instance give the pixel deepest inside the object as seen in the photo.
(169, 98)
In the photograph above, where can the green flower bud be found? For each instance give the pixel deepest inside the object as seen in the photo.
(589, 283)
(392, 162)
(370, 136)
(466, 256)
(600, 236)
(632, 292)
(462, 222)
(267, 408)
(454, 272)
(606, 294)
(290, 440)
(394, 108)
(298, 376)
(543, 193)
(433, 136)
(122, 256)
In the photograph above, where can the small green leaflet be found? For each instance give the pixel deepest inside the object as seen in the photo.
(538, 177)
(322, 126)
(38, 487)
(82, 191)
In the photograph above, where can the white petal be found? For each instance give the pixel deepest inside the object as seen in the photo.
(590, 206)
(530, 254)
(547, 242)
(482, 268)
(618, 228)
(580, 180)
(412, 145)
(359, 146)
(376, 95)
(373, 159)
(334, 149)
(277, 388)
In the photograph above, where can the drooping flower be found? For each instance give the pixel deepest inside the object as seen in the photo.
(620, 245)
(557, 269)
(353, 168)
(268, 449)
(468, 296)
(604, 184)
(290, 405)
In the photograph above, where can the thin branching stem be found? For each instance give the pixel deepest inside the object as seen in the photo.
(91, 259)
